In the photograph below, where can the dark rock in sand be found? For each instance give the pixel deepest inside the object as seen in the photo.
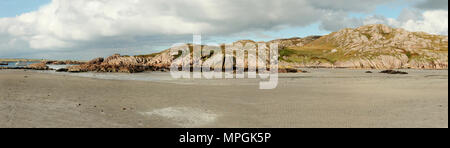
(115, 63)
(290, 70)
(393, 72)
(369, 72)
(62, 70)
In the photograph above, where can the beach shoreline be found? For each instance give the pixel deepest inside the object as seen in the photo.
(321, 98)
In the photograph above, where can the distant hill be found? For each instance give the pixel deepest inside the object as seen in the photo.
(371, 46)
(366, 47)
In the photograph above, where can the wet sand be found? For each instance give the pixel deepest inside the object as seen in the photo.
(321, 98)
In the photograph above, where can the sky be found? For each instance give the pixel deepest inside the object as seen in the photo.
(85, 29)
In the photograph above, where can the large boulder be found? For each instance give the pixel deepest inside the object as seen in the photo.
(163, 60)
(76, 69)
(62, 70)
(96, 61)
(393, 72)
(290, 70)
(38, 66)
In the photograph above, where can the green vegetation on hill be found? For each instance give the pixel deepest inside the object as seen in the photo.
(311, 55)
(371, 45)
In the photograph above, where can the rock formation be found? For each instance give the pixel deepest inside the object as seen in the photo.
(366, 47)
(115, 63)
(373, 47)
(38, 66)
(68, 62)
(62, 70)
(393, 72)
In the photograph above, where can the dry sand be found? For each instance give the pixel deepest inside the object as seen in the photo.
(322, 98)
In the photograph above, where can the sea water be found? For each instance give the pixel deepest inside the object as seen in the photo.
(24, 64)
(13, 64)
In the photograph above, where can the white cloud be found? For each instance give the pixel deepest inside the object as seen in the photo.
(434, 21)
(94, 26)
(62, 22)
(47, 42)
(431, 21)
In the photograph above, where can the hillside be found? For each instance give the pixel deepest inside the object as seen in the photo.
(366, 47)
(372, 46)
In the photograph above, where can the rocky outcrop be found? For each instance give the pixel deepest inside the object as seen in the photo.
(115, 63)
(284, 43)
(68, 62)
(161, 61)
(376, 47)
(291, 70)
(366, 47)
(38, 66)
(76, 69)
(394, 72)
(96, 61)
(383, 38)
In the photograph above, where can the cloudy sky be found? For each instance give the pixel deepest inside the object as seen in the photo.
(84, 29)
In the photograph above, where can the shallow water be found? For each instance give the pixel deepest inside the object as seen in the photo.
(58, 66)
(24, 64)
(13, 64)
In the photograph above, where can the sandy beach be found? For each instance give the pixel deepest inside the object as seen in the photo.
(322, 98)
